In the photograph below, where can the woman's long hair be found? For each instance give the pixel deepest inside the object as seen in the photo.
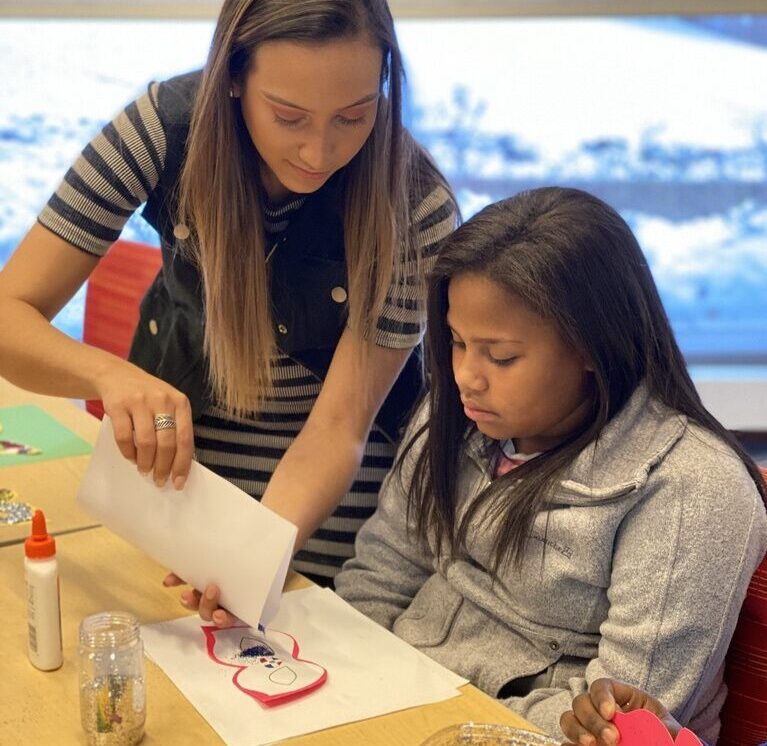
(574, 261)
(220, 192)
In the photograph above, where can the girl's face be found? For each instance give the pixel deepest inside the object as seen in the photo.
(516, 376)
(309, 109)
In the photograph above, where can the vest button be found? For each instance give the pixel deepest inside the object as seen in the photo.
(338, 294)
(181, 232)
(282, 329)
(153, 328)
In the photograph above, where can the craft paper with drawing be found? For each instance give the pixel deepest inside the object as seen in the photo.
(267, 664)
(371, 672)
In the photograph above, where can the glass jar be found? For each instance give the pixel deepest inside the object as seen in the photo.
(112, 698)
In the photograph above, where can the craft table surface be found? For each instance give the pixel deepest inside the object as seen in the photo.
(49, 485)
(101, 572)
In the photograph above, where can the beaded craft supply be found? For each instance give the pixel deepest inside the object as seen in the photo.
(13, 511)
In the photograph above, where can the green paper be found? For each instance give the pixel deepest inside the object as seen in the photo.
(31, 426)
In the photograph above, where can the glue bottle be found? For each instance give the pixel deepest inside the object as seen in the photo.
(41, 571)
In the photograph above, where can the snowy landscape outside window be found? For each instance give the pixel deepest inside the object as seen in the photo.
(664, 118)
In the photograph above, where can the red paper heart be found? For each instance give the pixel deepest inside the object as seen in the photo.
(642, 728)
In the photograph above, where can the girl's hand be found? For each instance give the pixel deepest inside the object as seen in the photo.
(588, 723)
(206, 603)
(133, 398)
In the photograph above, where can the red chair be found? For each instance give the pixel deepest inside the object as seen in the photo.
(112, 298)
(744, 716)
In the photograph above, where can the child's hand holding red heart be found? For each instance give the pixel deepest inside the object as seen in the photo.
(593, 721)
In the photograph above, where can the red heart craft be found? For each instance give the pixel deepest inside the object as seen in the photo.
(642, 728)
(266, 661)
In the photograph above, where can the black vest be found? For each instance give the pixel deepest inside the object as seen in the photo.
(305, 268)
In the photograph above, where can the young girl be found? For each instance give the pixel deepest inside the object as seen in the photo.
(564, 507)
(297, 218)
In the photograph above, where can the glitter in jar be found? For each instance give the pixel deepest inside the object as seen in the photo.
(113, 711)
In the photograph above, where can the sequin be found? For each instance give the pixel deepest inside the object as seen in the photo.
(11, 510)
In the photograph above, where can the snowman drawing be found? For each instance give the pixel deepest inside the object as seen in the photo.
(266, 661)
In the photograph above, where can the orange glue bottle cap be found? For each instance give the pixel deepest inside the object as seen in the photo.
(39, 545)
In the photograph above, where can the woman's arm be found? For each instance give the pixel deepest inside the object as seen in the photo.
(114, 174)
(38, 280)
(320, 465)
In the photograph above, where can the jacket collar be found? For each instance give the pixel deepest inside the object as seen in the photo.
(620, 461)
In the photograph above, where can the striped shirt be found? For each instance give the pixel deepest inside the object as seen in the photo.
(111, 178)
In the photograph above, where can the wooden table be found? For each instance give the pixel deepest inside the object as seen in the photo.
(101, 572)
(50, 485)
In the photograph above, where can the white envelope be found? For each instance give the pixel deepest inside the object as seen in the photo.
(209, 532)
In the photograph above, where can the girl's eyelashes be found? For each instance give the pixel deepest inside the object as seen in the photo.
(502, 362)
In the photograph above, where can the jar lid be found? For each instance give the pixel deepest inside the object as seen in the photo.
(109, 629)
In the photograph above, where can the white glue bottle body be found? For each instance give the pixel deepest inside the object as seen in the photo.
(41, 571)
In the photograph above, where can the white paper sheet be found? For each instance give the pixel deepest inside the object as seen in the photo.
(209, 532)
(370, 671)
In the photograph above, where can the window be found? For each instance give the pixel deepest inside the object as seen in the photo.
(662, 116)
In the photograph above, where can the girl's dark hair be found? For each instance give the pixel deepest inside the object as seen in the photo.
(574, 261)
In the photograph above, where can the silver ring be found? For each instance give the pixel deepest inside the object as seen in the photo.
(164, 422)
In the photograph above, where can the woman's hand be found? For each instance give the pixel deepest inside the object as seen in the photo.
(133, 399)
(588, 723)
(206, 603)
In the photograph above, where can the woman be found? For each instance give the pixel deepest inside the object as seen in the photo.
(297, 218)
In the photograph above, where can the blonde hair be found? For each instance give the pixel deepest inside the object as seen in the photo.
(220, 192)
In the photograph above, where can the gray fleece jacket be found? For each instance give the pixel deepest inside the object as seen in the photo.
(650, 542)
